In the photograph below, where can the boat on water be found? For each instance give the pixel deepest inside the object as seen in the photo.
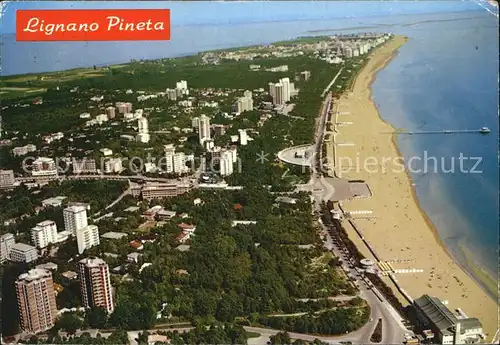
(448, 131)
(484, 130)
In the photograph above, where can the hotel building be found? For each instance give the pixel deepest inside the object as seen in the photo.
(87, 237)
(75, 217)
(44, 233)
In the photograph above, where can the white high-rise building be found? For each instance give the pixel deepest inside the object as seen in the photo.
(226, 163)
(95, 284)
(169, 158)
(142, 123)
(286, 89)
(234, 153)
(44, 233)
(181, 85)
(87, 237)
(143, 135)
(179, 162)
(175, 162)
(271, 89)
(204, 128)
(243, 137)
(75, 217)
(244, 104)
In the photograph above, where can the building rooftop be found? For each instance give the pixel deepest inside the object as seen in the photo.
(69, 275)
(437, 312)
(183, 247)
(34, 274)
(92, 262)
(46, 223)
(23, 247)
(7, 236)
(134, 256)
(57, 200)
(75, 208)
(47, 266)
(470, 323)
(114, 235)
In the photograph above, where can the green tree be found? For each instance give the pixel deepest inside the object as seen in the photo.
(280, 338)
(69, 322)
(97, 317)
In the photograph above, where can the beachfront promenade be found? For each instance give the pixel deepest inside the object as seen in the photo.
(324, 189)
(397, 229)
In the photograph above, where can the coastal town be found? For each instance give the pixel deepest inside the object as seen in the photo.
(200, 200)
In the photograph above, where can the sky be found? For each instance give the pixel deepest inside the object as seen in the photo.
(185, 13)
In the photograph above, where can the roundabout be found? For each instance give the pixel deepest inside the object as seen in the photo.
(298, 155)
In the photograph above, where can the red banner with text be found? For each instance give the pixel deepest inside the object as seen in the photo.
(93, 25)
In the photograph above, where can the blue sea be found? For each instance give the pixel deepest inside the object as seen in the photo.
(445, 77)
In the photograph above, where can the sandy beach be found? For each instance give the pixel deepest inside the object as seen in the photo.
(396, 228)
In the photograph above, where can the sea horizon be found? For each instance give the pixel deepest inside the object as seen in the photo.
(463, 209)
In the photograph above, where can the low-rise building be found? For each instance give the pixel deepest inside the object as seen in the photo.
(150, 191)
(44, 166)
(84, 166)
(111, 235)
(133, 257)
(21, 252)
(286, 200)
(6, 178)
(441, 326)
(165, 214)
(53, 202)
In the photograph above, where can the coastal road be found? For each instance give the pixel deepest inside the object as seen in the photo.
(393, 329)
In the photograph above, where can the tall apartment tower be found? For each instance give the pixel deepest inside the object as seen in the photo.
(286, 89)
(271, 89)
(95, 284)
(226, 163)
(142, 123)
(179, 162)
(278, 94)
(204, 128)
(243, 137)
(36, 301)
(75, 217)
(110, 111)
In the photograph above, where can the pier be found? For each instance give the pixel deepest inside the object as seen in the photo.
(484, 130)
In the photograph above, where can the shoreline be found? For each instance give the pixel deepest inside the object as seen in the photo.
(411, 283)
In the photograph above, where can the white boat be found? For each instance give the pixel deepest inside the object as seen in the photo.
(484, 130)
